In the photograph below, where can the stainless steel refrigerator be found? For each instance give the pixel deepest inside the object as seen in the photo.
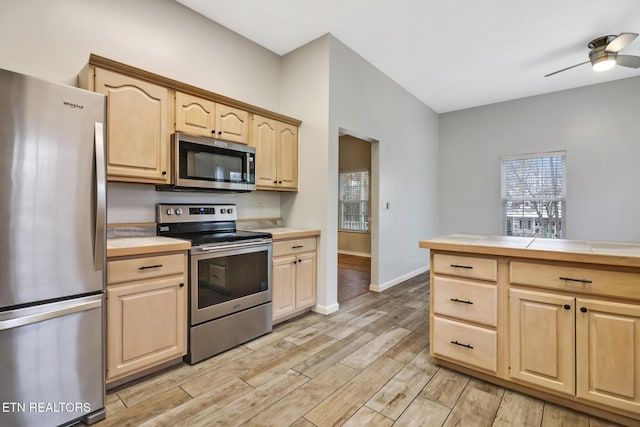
(52, 252)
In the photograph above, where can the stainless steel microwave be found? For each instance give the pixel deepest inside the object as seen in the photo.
(201, 163)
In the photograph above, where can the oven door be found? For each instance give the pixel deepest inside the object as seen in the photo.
(229, 278)
(209, 163)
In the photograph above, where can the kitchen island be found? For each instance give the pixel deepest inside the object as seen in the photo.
(557, 319)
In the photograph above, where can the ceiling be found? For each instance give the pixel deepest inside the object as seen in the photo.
(451, 54)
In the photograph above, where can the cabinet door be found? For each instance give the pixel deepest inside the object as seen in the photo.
(146, 325)
(287, 156)
(264, 140)
(542, 339)
(284, 286)
(194, 115)
(232, 124)
(305, 280)
(608, 353)
(137, 136)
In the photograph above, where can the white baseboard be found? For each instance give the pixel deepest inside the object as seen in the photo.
(362, 254)
(323, 309)
(397, 280)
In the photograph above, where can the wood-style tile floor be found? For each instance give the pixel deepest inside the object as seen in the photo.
(354, 276)
(366, 365)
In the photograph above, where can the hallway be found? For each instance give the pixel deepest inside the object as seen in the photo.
(354, 276)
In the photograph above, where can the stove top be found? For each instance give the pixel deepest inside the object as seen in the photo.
(203, 224)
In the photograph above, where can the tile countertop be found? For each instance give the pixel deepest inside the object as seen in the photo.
(281, 233)
(593, 252)
(126, 246)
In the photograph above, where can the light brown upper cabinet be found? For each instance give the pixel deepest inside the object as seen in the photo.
(199, 116)
(276, 146)
(137, 135)
(144, 109)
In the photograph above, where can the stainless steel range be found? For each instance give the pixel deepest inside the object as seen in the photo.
(229, 276)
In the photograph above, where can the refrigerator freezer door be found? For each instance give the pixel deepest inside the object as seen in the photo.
(51, 363)
(50, 199)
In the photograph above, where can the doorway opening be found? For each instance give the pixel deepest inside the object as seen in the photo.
(354, 216)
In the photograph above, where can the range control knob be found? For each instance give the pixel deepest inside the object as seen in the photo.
(229, 210)
(223, 211)
(170, 211)
(178, 211)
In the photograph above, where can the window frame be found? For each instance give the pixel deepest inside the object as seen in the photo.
(341, 201)
(557, 199)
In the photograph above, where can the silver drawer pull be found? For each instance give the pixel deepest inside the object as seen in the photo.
(297, 246)
(146, 267)
(462, 345)
(461, 266)
(462, 301)
(575, 280)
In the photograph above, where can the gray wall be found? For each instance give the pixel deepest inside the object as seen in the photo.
(598, 126)
(53, 40)
(404, 162)
(305, 93)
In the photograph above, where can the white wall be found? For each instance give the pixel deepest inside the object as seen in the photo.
(598, 125)
(53, 40)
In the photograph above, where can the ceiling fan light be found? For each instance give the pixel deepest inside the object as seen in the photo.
(602, 60)
(603, 64)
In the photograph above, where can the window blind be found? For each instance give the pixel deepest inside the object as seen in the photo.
(534, 195)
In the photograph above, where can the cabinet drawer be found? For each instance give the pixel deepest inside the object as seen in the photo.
(576, 279)
(466, 300)
(466, 266)
(127, 270)
(288, 247)
(468, 344)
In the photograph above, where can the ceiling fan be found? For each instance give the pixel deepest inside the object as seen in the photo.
(604, 53)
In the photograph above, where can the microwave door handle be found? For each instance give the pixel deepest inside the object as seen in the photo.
(248, 180)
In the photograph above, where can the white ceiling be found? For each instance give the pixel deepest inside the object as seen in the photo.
(451, 54)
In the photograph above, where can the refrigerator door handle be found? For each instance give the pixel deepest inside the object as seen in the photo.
(27, 316)
(101, 198)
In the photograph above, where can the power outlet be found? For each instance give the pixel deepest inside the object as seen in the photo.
(261, 207)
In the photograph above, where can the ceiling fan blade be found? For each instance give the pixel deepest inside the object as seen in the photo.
(620, 42)
(628, 61)
(565, 69)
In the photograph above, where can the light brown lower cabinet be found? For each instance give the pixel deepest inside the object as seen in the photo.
(608, 353)
(146, 313)
(542, 327)
(294, 277)
(602, 363)
(565, 331)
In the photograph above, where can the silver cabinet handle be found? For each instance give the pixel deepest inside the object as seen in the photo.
(101, 198)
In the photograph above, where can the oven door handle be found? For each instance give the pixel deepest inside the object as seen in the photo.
(226, 247)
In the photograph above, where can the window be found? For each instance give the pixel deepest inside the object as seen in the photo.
(354, 201)
(534, 191)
